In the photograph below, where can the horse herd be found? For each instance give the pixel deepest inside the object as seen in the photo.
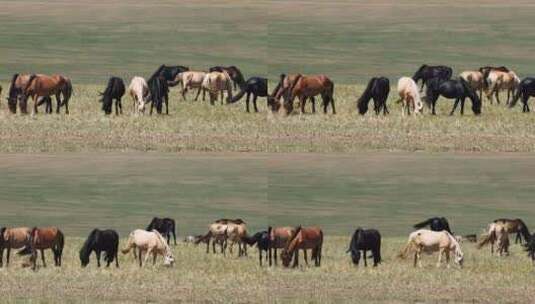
(155, 241)
(221, 80)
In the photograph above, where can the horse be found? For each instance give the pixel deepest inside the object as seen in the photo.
(159, 94)
(256, 86)
(435, 224)
(305, 87)
(44, 85)
(217, 236)
(18, 83)
(278, 237)
(365, 239)
(261, 239)
(170, 72)
(235, 74)
(98, 241)
(487, 69)
(217, 82)
(378, 89)
(236, 232)
(165, 226)
(114, 90)
(13, 238)
(149, 242)
(525, 90)
(190, 80)
(427, 72)
(139, 91)
(45, 238)
(475, 80)
(409, 96)
(496, 233)
(498, 81)
(530, 248)
(452, 89)
(428, 241)
(303, 238)
(515, 225)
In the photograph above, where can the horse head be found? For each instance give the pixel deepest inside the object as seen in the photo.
(476, 101)
(287, 252)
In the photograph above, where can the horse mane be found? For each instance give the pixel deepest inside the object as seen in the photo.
(86, 249)
(292, 238)
(152, 223)
(162, 240)
(292, 86)
(32, 77)
(239, 76)
(362, 102)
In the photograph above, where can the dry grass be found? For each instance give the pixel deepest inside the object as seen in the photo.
(198, 277)
(195, 126)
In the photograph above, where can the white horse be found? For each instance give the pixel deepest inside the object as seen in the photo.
(191, 80)
(149, 242)
(496, 233)
(475, 80)
(216, 82)
(428, 241)
(139, 91)
(500, 81)
(409, 95)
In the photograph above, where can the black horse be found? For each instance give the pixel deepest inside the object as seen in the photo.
(378, 89)
(427, 72)
(99, 241)
(114, 90)
(261, 239)
(530, 248)
(526, 89)
(451, 89)
(165, 226)
(435, 224)
(169, 72)
(159, 91)
(234, 73)
(257, 86)
(363, 240)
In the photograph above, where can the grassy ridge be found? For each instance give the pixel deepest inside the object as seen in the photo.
(198, 277)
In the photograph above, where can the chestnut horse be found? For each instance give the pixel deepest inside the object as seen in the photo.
(45, 238)
(43, 85)
(305, 87)
(18, 83)
(13, 238)
(303, 238)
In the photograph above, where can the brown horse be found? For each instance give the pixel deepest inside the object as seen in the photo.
(278, 238)
(304, 88)
(515, 226)
(45, 238)
(303, 238)
(43, 85)
(18, 83)
(13, 238)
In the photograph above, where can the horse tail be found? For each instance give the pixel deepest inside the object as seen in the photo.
(66, 91)
(519, 93)
(423, 224)
(362, 102)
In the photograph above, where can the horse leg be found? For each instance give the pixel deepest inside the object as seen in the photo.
(140, 253)
(247, 102)
(302, 101)
(313, 101)
(497, 96)
(116, 259)
(454, 106)
(415, 258)
(7, 256)
(1, 257)
(462, 105)
(365, 260)
(275, 256)
(518, 238)
(43, 257)
(296, 258)
(440, 252)
(120, 106)
(260, 256)
(222, 97)
(269, 253)
(254, 103)
(98, 259)
(306, 257)
(166, 108)
(154, 255)
(147, 255)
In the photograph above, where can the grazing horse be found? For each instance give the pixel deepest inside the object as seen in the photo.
(13, 238)
(487, 69)
(496, 233)
(369, 239)
(499, 81)
(530, 248)
(452, 89)
(149, 242)
(378, 89)
(190, 80)
(18, 83)
(234, 73)
(409, 96)
(159, 94)
(139, 91)
(114, 90)
(165, 226)
(303, 238)
(475, 80)
(45, 238)
(236, 232)
(261, 239)
(526, 89)
(98, 241)
(217, 82)
(435, 224)
(170, 72)
(428, 241)
(278, 238)
(44, 85)
(256, 86)
(515, 225)
(427, 72)
(305, 87)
